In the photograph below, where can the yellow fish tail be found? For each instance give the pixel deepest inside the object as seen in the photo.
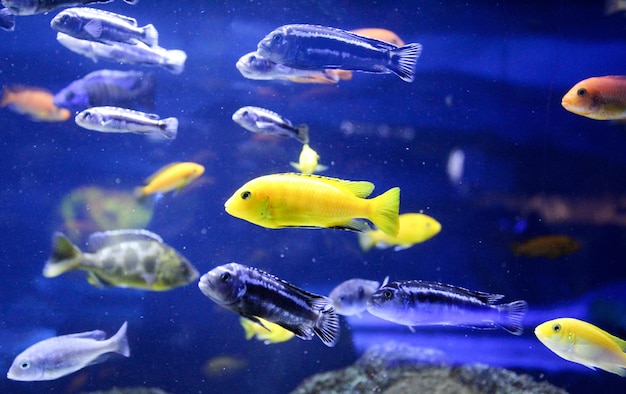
(366, 241)
(65, 257)
(385, 210)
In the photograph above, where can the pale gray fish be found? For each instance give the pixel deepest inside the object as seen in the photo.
(138, 53)
(122, 120)
(255, 66)
(59, 356)
(32, 7)
(7, 20)
(254, 294)
(418, 303)
(97, 25)
(350, 297)
(264, 121)
(320, 47)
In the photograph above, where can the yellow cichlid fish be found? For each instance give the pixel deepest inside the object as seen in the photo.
(599, 98)
(297, 200)
(267, 331)
(174, 176)
(584, 343)
(307, 163)
(414, 228)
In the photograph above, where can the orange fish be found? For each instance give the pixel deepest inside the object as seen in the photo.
(551, 246)
(33, 101)
(600, 98)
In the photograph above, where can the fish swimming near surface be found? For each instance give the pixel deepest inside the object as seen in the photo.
(264, 121)
(550, 246)
(298, 200)
(7, 20)
(420, 303)
(599, 98)
(32, 7)
(414, 228)
(265, 331)
(173, 60)
(174, 176)
(103, 26)
(123, 258)
(320, 47)
(33, 101)
(308, 161)
(255, 294)
(350, 297)
(254, 66)
(583, 343)
(59, 356)
(122, 120)
(108, 88)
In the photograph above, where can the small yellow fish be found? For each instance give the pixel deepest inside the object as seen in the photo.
(33, 101)
(599, 98)
(414, 228)
(551, 246)
(307, 163)
(297, 200)
(584, 343)
(268, 332)
(174, 176)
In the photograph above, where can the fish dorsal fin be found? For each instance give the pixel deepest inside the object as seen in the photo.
(487, 298)
(160, 171)
(103, 239)
(153, 116)
(360, 189)
(97, 335)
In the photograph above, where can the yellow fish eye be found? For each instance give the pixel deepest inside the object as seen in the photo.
(581, 92)
(556, 327)
(245, 195)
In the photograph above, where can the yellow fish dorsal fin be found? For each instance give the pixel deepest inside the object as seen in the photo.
(160, 171)
(360, 189)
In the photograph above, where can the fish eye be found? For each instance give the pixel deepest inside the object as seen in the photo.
(252, 59)
(65, 18)
(225, 276)
(556, 327)
(69, 95)
(361, 292)
(87, 115)
(277, 37)
(581, 92)
(388, 294)
(25, 364)
(245, 195)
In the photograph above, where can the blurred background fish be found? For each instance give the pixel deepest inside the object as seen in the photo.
(33, 101)
(414, 228)
(308, 161)
(550, 246)
(174, 176)
(32, 7)
(350, 297)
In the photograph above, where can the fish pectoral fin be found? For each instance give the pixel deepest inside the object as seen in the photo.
(94, 28)
(401, 247)
(97, 335)
(256, 320)
(412, 329)
(264, 125)
(96, 281)
(150, 279)
(353, 225)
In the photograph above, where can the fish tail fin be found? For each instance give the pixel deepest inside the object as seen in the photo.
(7, 20)
(6, 97)
(327, 324)
(302, 133)
(169, 128)
(366, 241)
(175, 62)
(402, 61)
(150, 35)
(65, 257)
(119, 341)
(385, 211)
(514, 314)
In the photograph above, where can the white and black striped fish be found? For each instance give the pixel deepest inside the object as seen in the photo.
(320, 47)
(122, 120)
(253, 293)
(418, 303)
(264, 121)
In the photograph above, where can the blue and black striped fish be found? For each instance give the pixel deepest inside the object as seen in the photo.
(254, 294)
(419, 303)
(311, 47)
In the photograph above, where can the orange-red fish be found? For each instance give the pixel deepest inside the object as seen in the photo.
(600, 98)
(33, 101)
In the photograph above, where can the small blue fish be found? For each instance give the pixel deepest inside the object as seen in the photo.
(350, 297)
(320, 47)
(264, 121)
(32, 7)
(122, 120)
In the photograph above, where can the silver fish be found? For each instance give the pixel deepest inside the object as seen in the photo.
(122, 120)
(350, 297)
(320, 47)
(253, 293)
(32, 7)
(264, 121)
(55, 357)
(103, 26)
(139, 53)
(418, 303)
(255, 66)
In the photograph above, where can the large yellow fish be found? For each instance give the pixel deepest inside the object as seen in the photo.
(308, 161)
(600, 98)
(298, 200)
(267, 331)
(174, 176)
(584, 343)
(414, 228)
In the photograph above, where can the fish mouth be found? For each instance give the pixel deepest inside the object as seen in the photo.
(263, 48)
(206, 285)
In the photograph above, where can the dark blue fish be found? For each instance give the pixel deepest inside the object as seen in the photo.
(253, 293)
(319, 47)
(7, 20)
(32, 7)
(108, 88)
(419, 303)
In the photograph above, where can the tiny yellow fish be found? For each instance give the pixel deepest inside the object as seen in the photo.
(267, 331)
(599, 98)
(584, 343)
(297, 200)
(551, 246)
(174, 176)
(414, 228)
(33, 101)
(307, 163)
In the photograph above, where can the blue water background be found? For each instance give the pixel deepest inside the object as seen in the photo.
(490, 82)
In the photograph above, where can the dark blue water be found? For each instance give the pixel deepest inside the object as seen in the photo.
(489, 82)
